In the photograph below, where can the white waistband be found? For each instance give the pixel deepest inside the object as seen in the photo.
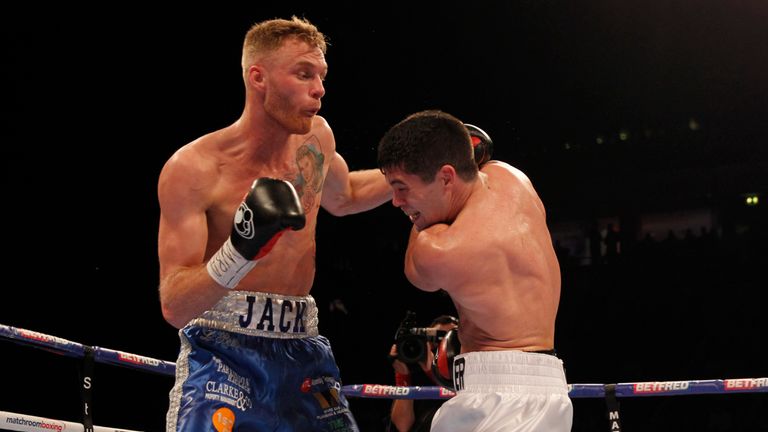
(509, 372)
(262, 314)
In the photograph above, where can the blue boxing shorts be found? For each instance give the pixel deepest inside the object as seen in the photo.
(255, 362)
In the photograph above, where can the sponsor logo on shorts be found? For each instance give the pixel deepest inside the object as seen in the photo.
(328, 398)
(458, 373)
(274, 315)
(228, 394)
(234, 390)
(327, 393)
(223, 420)
(232, 376)
(659, 387)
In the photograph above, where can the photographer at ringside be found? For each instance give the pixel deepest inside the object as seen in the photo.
(415, 369)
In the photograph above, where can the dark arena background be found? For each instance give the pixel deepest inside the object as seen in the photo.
(643, 126)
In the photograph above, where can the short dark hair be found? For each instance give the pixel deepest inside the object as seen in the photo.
(425, 141)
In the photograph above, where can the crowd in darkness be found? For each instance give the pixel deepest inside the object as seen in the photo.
(680, 308)
(612, 246)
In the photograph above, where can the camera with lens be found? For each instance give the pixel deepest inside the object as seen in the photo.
(411, 341)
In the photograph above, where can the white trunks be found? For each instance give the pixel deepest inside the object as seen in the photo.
(509, 391)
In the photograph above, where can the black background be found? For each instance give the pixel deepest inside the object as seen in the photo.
(96, 100)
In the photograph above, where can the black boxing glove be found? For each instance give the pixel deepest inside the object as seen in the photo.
(481, 143)
(442, 365)
(270, 208)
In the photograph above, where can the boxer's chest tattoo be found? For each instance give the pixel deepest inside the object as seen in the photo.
(309, 177)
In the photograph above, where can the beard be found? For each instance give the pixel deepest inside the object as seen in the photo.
(278, 106)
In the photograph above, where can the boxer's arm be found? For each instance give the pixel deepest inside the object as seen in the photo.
(186, 289)
(347, 192)
(424, 258)
(402, 415)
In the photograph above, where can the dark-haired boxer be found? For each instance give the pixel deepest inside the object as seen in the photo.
(481, 235)
(236, 243)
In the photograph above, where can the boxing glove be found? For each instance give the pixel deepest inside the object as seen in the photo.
(269, 208)
(442, 364)
(481, 143)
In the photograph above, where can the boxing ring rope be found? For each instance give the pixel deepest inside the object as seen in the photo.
(68, 348)
(626, 390)
(24, 422)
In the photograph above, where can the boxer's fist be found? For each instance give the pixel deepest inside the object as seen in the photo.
(481, 143)
(269, 209)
